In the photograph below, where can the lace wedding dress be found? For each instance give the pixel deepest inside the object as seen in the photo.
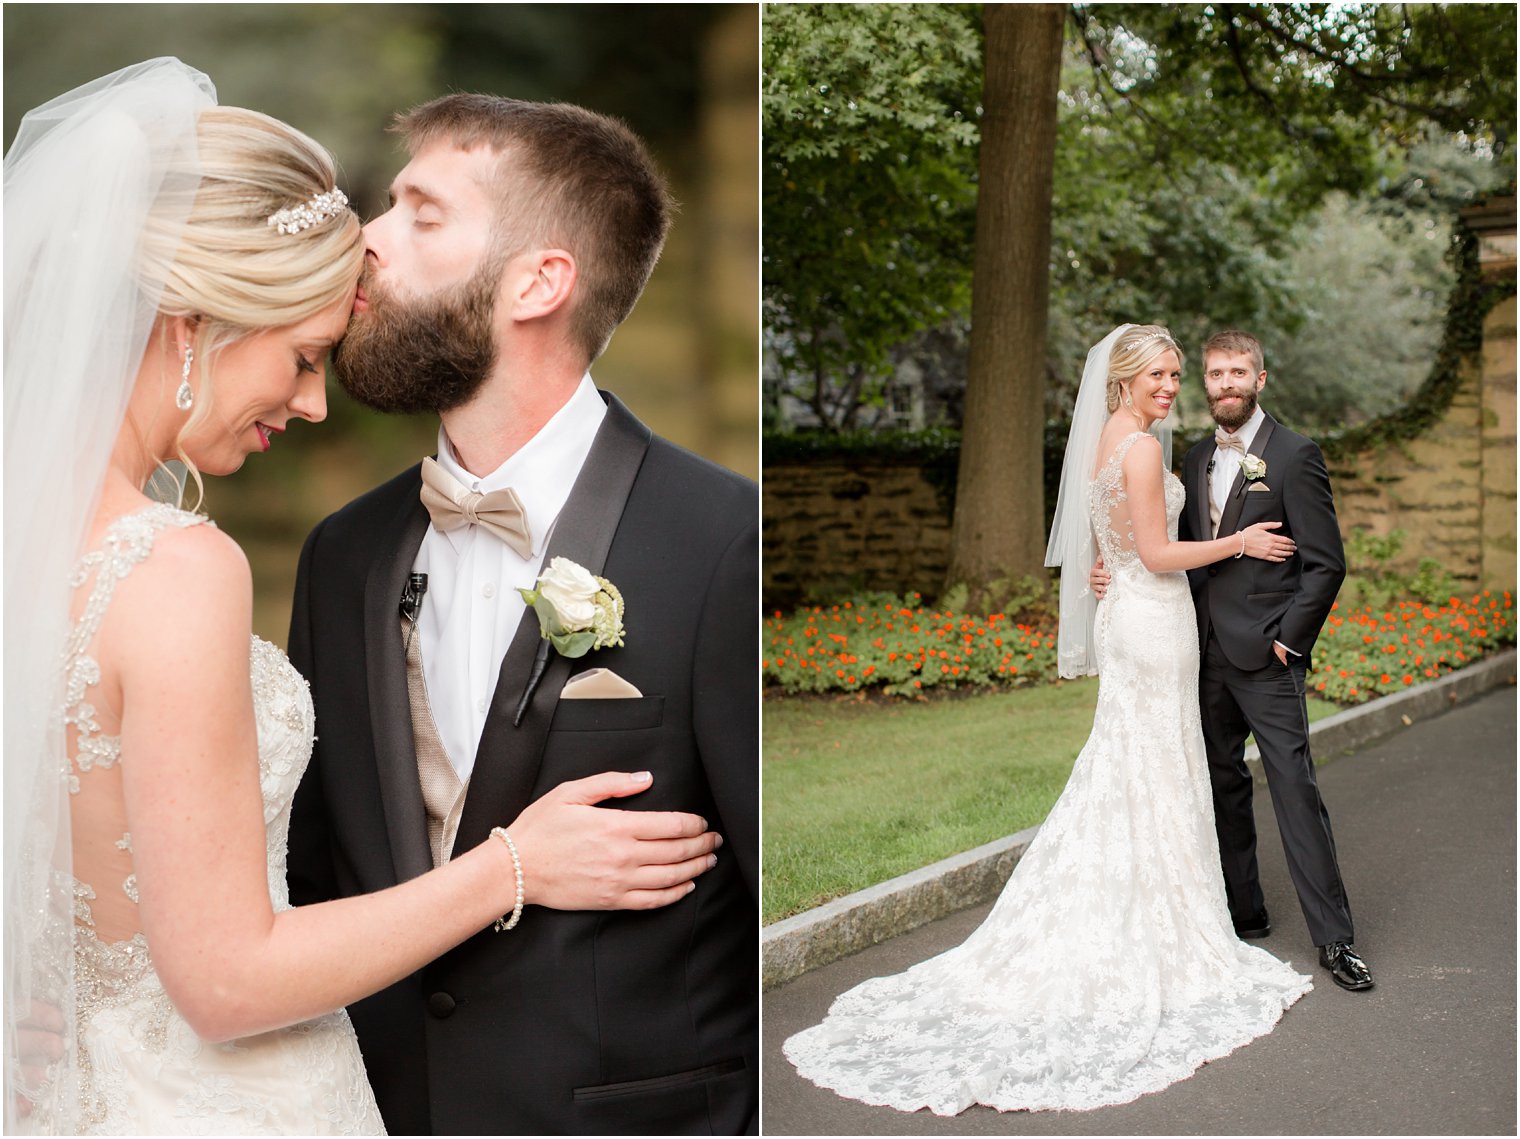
(1109, 967)
(142, 1068)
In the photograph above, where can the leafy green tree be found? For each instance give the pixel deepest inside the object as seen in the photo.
(868, 116)
(996, 536)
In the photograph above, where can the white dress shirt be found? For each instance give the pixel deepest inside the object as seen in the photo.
(1226, 463)
(471, 610)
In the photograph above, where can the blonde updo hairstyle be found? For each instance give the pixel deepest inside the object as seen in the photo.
(1135, 349)
(224, 266)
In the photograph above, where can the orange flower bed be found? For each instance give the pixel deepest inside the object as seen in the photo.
(902, 647)
(1371, 651)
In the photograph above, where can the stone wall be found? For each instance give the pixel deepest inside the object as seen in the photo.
(839, 526)
(1452, 489)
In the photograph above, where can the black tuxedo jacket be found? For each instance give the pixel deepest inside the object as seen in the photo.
(574, 1022)
(1250, 603)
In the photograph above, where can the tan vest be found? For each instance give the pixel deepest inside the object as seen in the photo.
(442, 790)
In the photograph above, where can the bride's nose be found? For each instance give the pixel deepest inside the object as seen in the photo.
(310, 400)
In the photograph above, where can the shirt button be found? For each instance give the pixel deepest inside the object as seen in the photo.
(488, 590)
(480, 705)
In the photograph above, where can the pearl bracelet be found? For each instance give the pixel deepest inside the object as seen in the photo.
(1242, 551)
(505, 923)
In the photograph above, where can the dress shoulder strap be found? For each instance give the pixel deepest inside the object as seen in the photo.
(128, 542)
(1126, 443)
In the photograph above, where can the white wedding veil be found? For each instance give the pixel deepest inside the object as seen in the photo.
(86, 174)
(1072, 545)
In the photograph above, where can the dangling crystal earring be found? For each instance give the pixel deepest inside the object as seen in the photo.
(184, 397)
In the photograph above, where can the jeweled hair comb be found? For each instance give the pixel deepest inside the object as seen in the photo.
(321, 207)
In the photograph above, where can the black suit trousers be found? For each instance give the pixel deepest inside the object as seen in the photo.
(1269, 703)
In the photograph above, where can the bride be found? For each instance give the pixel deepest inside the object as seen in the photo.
(175, 274)
(1108, 967)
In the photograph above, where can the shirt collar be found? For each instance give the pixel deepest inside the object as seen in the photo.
(543, 469)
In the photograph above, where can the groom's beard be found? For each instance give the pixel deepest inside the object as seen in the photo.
(430, 354)
(1232, 418)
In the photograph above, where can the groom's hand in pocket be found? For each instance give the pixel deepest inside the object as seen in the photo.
(578, 856)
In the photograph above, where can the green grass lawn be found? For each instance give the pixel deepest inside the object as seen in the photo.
(856, 793)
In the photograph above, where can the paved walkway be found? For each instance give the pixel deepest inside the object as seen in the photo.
(1425, 825)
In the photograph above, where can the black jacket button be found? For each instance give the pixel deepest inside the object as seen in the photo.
(441, 1005)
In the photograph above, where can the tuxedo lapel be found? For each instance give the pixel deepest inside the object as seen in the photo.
(389, 707)
(506, 763)
(1229, 519)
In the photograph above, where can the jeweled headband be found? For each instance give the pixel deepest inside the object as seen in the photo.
(321, 207)
(1142, 341)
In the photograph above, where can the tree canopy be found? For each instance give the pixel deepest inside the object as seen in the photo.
(1205, 154)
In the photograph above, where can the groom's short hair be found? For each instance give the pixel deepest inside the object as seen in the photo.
(569, 178)
(1237, 343)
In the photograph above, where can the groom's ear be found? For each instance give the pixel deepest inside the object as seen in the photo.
(539, 284)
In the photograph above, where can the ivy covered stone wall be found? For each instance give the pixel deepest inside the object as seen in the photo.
(1443, 469)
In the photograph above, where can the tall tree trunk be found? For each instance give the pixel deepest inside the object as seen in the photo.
(998, 532)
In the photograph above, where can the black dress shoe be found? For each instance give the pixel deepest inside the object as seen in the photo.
(1347, 969)
(1253, 928)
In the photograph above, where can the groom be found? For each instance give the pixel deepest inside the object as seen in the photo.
(520, 236)
(1257, 624)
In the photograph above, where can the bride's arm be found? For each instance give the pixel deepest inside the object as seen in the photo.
(177, 636)
(1158, 553)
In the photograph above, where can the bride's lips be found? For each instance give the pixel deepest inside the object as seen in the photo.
(266, 432)
(361, 302)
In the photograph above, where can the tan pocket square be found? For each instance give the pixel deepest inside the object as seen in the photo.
(598, 684)
(1257, 486)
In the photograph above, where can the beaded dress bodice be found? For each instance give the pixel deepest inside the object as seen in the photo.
(282, 710)
(129, 1032)
(1108, 507)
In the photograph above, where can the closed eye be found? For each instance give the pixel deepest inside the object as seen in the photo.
(304, 365)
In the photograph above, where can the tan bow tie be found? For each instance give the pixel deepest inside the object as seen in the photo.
(1228, 442)
(450, 504)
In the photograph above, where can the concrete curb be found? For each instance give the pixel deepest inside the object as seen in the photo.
(805, 941)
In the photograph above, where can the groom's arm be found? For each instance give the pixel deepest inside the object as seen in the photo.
(725, 701)
(1309, 509)
(309, 865)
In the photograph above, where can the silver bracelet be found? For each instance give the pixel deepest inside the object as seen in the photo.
(1242, 552)
(505, 922)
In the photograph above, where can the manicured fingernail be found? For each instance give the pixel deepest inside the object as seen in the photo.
(712, 860)
(641, 777)
(690, 886)
(719, 841)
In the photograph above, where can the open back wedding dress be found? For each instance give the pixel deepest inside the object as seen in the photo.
(141, 1068)
(1109, 967)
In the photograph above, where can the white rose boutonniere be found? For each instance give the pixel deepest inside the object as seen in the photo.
(1254, 466)
(577, 611)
